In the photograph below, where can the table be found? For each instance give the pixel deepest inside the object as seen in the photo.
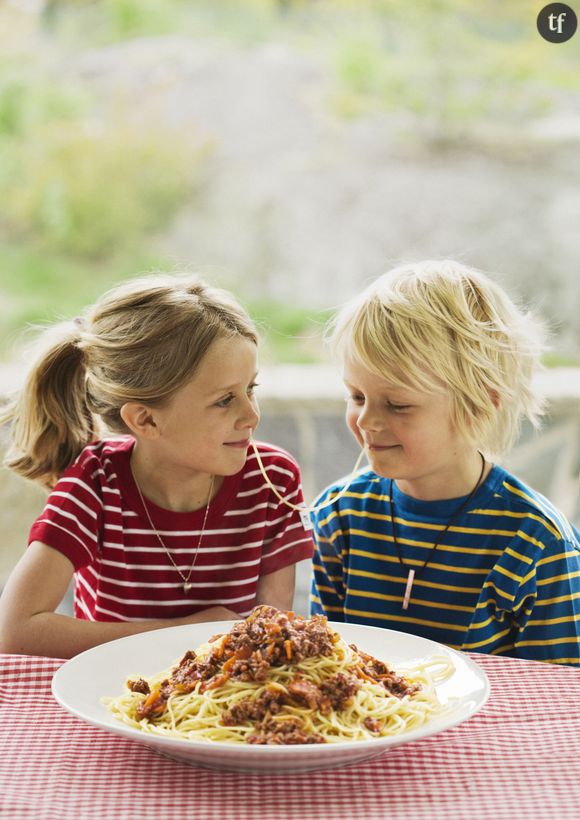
(517, 759)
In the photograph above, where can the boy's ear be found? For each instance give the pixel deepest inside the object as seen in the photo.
(139, 419)
(494, 396)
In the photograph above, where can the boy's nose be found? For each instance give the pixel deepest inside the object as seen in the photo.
(369, 421)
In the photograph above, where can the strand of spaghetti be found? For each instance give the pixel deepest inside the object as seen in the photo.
(304, 507)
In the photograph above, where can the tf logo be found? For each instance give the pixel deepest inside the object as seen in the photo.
(557, 22)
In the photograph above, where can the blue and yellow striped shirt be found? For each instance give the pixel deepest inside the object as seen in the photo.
(505, 579)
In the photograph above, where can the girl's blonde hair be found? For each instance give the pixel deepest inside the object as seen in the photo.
(442, 325)
(140, 342)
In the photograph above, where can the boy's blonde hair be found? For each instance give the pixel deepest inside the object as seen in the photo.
(442, 325)
(141, 342)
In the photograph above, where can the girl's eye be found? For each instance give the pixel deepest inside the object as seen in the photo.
(398, 408)
(356, 398)
(225, 402)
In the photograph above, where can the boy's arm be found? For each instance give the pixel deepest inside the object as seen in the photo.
(29, 624)
(327, 592)
(532, 611)
(549, 621)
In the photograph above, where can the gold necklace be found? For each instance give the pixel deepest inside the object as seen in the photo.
(412, 572)
(185, 578)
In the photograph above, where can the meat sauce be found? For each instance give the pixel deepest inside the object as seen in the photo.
(270, 638)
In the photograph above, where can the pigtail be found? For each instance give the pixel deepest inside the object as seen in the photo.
(141, 342)
(50, 421)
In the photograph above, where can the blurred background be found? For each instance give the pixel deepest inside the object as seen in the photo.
(291, 150)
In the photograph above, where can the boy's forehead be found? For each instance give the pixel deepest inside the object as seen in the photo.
(355, 374)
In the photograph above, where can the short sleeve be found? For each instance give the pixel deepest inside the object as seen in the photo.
(328, 591)
(530, 608)
(288, 539)
(72, 517)
(548, 615)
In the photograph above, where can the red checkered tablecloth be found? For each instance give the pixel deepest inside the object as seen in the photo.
(517, 759)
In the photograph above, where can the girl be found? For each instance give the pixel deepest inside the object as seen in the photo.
(169, 522)
(435, 538)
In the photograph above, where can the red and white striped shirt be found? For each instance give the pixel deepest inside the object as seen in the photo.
(94, 517)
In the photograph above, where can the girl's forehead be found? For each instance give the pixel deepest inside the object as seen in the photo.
(229, 349)
(227, 362)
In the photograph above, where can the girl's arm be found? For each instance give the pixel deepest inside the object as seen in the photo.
(277, 588)
(29, 624)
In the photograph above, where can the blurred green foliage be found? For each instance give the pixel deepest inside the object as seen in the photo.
(290, 333)
(75, 183)
(80, 201)
(90, 193)
(452, 63)
(560, 360)
(83, 194)
(39, 288)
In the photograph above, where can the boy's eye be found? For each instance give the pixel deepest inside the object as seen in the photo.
(356, 398)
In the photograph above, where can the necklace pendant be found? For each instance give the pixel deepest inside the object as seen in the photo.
(186, 586)
(408, 588)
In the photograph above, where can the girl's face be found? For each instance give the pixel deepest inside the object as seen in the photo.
(408, 435)
(206, 426)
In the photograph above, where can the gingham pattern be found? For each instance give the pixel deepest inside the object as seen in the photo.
(518, 758)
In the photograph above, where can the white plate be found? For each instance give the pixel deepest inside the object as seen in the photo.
(80, 684)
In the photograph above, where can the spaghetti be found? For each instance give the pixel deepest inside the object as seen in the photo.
(277, 678)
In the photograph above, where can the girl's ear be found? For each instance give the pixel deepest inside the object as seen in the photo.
(494, 396)
(140, 420)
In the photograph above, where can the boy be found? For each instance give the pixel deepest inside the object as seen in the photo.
(435, 538)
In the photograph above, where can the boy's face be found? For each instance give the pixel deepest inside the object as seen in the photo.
(408, 434)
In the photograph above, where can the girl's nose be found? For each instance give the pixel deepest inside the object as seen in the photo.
(251, 415)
